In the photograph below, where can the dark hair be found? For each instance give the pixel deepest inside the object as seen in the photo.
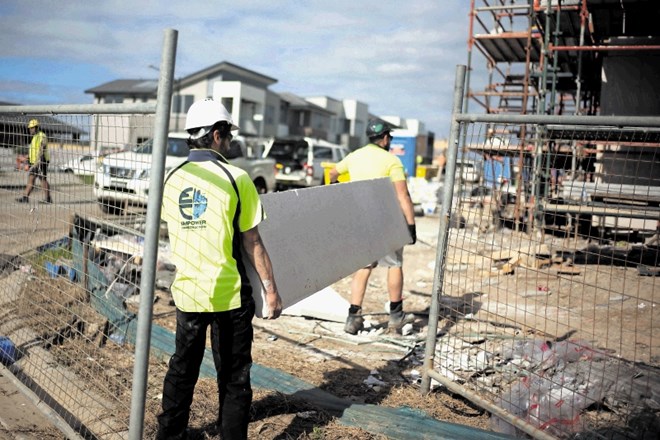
(374, 139)
(206, 141)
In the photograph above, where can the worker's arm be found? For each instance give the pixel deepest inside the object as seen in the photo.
(43, 144)
(334, 175)
(259, 258)
(402, 194)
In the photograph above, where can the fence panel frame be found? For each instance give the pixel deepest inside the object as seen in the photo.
(161, 109)
(457, 127)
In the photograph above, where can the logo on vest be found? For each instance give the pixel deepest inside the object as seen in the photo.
(192, 205)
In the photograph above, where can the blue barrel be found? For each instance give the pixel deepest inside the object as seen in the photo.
(7, 351)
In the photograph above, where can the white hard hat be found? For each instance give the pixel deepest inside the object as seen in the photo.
(203, 114)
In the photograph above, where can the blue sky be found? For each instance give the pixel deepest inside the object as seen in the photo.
(398, 57)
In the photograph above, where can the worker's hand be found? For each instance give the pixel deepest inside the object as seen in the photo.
(412, 229)
(274, 302)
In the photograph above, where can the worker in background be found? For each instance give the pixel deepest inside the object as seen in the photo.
(39, 157)
(587, 161)
(370, 162)
(212, 210)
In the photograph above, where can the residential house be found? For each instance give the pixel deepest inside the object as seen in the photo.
(348, 121)
(259, 111)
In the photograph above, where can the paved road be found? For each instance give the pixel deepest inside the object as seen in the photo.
(26, 226)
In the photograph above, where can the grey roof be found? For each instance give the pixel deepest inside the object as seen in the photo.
(225, 66)
(149, 87)
(47, 123)
(146, 87)
(296, 102)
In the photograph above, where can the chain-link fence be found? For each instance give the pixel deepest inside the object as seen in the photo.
(63, 308)
(547, 299)
(73, 241)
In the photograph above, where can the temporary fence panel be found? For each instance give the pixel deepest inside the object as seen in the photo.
(72, 254)
(64, 306)
(547, 301)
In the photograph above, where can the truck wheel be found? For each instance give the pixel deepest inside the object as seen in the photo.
(110, 206)
(261, 186)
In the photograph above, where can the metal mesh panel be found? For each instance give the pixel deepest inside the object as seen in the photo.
(549, 303)
(72, 270)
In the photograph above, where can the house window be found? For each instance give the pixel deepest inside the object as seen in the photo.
(228, 103)
(269, 116)
(113, 99)
(359, 127)
(284, 113)
(181, 103)
(347, 126)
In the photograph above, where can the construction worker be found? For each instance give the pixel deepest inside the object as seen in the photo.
(212, 210)
(39, 157)
(369, 162)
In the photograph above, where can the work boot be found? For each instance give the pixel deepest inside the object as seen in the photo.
(161, 435)
(398, 319)
(354, 323)
(23, 199)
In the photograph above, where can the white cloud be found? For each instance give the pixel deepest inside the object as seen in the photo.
(397, 57)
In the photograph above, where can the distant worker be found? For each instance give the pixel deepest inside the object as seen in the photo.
(212, 210)
(587, 161)
(370, 162)
(39, 157)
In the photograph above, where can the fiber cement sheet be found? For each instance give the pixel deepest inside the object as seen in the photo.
(317, 236)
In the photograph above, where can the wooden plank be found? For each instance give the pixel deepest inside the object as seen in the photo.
(317, 236)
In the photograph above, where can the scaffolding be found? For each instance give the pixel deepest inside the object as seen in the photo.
(546, 57)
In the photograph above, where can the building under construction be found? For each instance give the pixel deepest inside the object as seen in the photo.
(571, 57)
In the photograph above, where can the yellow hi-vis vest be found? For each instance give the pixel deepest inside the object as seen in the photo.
(207, 203)
(39, 140)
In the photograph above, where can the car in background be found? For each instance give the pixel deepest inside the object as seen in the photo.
(469, 167)
(468, 171)
(84, 165)
(123, 178)
(299, 160)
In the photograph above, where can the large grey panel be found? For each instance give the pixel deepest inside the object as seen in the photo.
(320, 235)
(631, 85)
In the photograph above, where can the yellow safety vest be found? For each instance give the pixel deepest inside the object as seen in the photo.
(39, 140)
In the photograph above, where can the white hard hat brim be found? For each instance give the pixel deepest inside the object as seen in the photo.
(196, 133)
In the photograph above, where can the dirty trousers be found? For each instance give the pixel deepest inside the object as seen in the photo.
(231, 344)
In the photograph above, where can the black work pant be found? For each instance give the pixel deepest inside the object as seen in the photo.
(231, 344)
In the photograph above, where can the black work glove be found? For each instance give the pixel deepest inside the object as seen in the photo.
(412, 229)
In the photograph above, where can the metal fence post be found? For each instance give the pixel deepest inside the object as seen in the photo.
(443, 228)
(145, 314)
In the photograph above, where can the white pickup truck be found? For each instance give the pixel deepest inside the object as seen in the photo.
(123, 178)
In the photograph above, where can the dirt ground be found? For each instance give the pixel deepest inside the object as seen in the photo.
(490, 286)
(317, 352)
(320, 353)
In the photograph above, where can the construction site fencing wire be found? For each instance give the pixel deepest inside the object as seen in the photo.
(71, 270)
(68, 270)
(547, 296)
